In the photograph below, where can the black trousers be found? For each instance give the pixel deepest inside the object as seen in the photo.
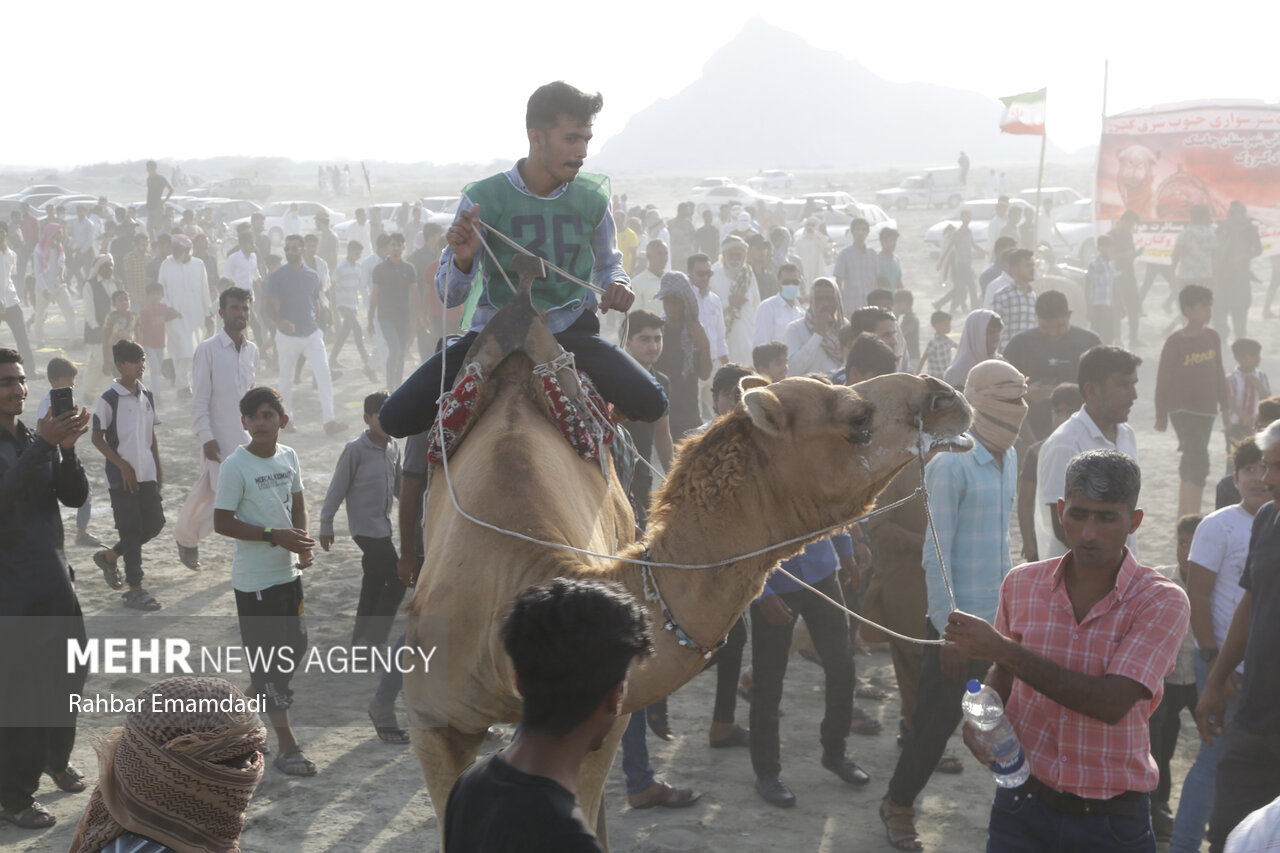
(348, 323)
(619, 378)
(1194, 430)
(728, 664)
(935, 719)
(139, 518)
(274, 633)
(381, 591)
(25, 754)
(1248, 778)
(770, 649)
(1165, 724)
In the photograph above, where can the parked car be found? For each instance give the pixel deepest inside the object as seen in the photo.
(1074, 234)
(710, 198)
(42, 190)
(275, 212)
(440, 203)
(936, 187)
(237, 188)
(715, 181)
(831, 199)
(981, 210)
(769, 179)
(1060, 196)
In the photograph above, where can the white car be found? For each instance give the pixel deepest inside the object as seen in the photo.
(1060, 196)
(440, 203)
(982, 210)
(1074, 234)
(274, 214)
(837, 221)
(936, 187)
(769, 179)
(831, 199)
(714, 181)
(711, 198)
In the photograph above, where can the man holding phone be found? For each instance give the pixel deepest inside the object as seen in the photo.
(39, 612)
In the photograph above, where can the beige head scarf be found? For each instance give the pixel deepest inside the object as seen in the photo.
(182, 778)
(997, 392)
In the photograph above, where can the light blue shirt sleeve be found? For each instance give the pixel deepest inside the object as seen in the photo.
(608, 258)
(843, 543)
(945, 482)
(452, 284)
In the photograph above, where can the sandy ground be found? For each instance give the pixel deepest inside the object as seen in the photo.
(370, 796)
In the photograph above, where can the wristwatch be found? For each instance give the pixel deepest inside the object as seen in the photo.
(1207, 655)
(266, 536)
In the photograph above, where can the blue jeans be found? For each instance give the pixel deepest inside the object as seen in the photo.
(617, 376)
(635, 754)
(392, 680)
(1020, 823)
(1196, 800)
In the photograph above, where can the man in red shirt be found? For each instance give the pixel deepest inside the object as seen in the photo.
(1080, 649)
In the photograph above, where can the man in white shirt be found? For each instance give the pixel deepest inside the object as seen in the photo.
(857, 267)
(223, 370)
(711, 316)
(9, 301)
(359, 230)
(997, 223)
(814, 249)
(242, 264)
(1108, 378)
(1217, 560)
(82, 249)
(646, 283)
(186, 295)
(734, 282)
(777, 312)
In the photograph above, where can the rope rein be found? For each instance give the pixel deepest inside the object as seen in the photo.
(648, 578)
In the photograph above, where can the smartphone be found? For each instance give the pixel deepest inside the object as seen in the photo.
(61, 400)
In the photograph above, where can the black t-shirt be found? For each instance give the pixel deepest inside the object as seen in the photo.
(395, 280)
(682, 393)
(155, 190)
(642, 436)
(1042, 360)
(495, 808)
(1258, 711)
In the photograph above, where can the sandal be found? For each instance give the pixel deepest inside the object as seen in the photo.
(900, 825)
(190, 557)
(387, 727)
(140, 599)
(867, 690)
(109, 570)
(292, 762)
(34, 816)
(738, 737)
(950, 764)
(864, 724)
(70, 780)
(664, 795)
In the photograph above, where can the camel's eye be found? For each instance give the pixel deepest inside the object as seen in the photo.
(859, 429)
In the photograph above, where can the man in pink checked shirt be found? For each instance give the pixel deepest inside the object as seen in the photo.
(1080, 648)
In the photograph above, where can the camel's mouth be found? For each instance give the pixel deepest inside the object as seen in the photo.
(961, 443)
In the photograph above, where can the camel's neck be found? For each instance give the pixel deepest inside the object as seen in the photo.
(707, 602)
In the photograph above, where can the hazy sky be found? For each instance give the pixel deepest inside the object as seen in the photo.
(447, 81)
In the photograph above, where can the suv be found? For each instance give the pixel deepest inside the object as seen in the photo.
(935, 188)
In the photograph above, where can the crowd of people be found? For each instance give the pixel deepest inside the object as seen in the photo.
(1093, 654)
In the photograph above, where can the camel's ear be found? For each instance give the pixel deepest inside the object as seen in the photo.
(766, 411)
(746, 383)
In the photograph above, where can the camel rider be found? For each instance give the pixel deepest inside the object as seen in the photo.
(547, 205)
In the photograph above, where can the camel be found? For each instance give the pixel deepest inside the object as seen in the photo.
(794, 457)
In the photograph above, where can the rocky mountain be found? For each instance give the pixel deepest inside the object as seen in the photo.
(768, 99)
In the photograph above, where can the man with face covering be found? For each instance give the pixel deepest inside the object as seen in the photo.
(971, 498)
(177, 779)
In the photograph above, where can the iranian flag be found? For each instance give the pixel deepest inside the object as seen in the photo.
(1024, 113)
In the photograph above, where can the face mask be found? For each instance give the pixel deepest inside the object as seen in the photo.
(790, 292)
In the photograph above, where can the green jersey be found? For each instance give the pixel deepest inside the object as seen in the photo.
(556, 229)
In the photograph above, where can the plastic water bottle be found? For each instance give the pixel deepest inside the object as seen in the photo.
(983, 708)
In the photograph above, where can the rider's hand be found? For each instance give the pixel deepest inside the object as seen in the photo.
(619, 297)
(463, 238)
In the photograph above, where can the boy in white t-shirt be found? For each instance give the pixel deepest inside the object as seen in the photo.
(260, 505)
(1218, 554)
(124, 432)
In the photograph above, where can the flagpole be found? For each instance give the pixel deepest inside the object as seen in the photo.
(1044, 139)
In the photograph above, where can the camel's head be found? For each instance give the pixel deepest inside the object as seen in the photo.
(845, 444)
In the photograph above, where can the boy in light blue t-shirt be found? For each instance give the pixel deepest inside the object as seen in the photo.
(260, 505)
